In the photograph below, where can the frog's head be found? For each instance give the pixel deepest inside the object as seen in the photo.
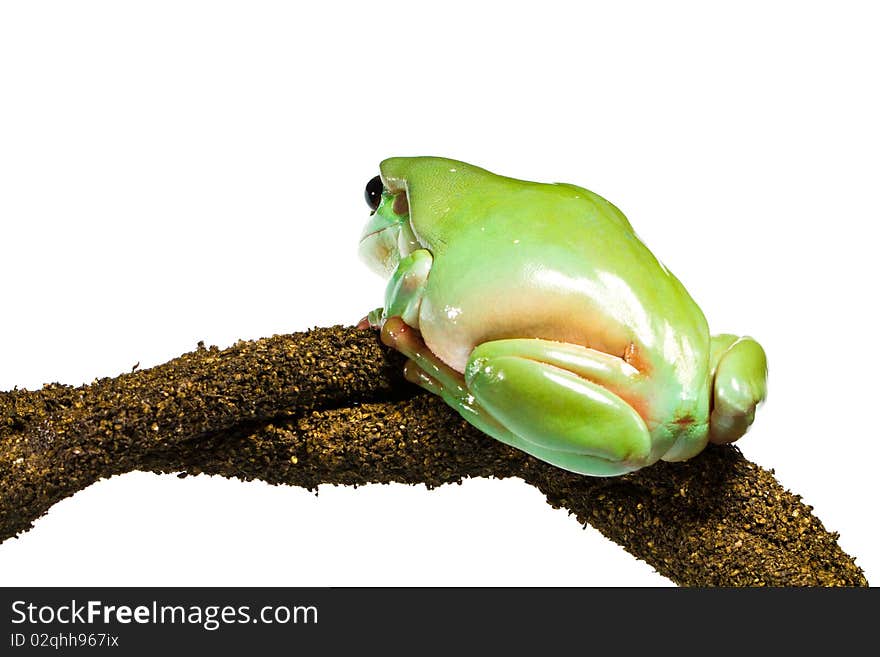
(412, 200)
(388, 235)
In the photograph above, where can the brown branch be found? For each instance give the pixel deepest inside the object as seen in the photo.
(330, 406)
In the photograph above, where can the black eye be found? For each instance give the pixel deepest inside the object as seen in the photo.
(373, 192)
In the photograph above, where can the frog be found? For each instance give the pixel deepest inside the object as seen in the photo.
(536, 312)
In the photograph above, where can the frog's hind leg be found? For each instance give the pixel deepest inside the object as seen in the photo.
(560, 399)
(542, 397)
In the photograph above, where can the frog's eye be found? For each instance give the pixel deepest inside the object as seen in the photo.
(373, 193)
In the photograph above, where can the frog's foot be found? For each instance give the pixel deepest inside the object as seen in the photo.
(545, 398)
(739, 385)
(372, 320)
(423, 367)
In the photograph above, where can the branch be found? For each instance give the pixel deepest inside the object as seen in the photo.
(330, 406)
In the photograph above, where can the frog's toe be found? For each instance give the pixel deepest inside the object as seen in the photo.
(372, 320)
(397, 335)
(415, 374)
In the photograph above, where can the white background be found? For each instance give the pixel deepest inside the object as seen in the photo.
(179, 171)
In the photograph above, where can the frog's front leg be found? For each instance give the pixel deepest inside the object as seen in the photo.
(552, 400)
(739, 384)
(403, 294)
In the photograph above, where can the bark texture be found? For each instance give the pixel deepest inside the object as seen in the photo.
(330, 406)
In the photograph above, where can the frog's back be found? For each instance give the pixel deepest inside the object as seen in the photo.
(560, 263)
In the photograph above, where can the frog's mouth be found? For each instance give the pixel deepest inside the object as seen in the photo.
(393, 210)
(388, 237)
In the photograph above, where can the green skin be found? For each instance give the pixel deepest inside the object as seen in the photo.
(537, 313)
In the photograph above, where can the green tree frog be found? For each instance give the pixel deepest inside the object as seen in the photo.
(536, 312)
